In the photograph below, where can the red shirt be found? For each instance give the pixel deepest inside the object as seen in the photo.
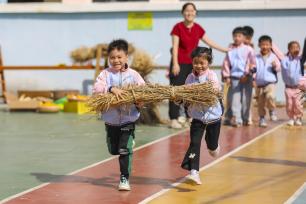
(188, 40)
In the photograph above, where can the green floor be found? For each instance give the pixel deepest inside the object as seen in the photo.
(33, 144)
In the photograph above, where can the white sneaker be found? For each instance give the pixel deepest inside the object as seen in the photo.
(214, 153)
(124, 184)
(262, 122)
(181, 119)
(195, 177)
(298, 122)
(175, 124)
(273, 116)
(290, 122)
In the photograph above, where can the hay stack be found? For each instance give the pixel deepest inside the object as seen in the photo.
(84, 54)
(202, 94)
(142, 62)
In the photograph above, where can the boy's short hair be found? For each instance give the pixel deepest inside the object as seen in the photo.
(119, 44)
(248, 30)
(265, 38)
(203, 52)
(238, 30)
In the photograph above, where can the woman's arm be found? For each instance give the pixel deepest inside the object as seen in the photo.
(212, 44)
(175, 64)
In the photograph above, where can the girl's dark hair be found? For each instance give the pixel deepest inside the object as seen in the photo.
(203, 52)
(119, 44)
(239, 30)
(292, 43)
(186, 5)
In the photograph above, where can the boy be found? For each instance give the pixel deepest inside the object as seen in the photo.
(248, 34)
(119, 122)
(236, 72)
(267, 65)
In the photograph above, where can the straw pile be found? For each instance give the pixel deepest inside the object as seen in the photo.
(202, 94)
(84, 54)
(142, 62)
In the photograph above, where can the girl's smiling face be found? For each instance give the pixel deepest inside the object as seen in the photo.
(200, 64)
(118, 59)
(294, 49)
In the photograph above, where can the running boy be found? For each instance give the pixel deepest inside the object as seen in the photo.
(119, 122)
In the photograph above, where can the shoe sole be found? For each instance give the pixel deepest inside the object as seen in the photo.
(124, 189)
(194, 181)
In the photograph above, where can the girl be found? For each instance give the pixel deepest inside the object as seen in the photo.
(204, 118)
(292, 74)
(185, 38)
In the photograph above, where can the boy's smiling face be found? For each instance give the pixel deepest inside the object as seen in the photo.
(118, 59)
(238, 38)
(265, 47)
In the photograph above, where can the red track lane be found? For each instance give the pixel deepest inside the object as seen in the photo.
(155, 168)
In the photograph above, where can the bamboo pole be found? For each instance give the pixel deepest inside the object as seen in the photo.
(3, 86)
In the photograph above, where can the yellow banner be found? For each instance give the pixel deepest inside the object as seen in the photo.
(140, 20)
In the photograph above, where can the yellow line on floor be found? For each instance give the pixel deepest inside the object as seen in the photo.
(268, 171)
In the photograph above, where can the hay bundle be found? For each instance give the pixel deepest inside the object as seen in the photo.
(83, 54)
(202, 94)
(142, 63)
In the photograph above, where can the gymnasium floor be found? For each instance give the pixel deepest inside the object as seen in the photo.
(63, 159)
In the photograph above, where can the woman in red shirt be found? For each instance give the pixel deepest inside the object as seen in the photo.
(185, 37)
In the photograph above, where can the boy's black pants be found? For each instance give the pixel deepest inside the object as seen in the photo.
(197, 128)
(119, 142)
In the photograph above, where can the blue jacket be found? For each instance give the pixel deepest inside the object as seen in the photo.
(265, 72)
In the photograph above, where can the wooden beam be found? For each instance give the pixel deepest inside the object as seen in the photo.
(73, 67)
(3, 86)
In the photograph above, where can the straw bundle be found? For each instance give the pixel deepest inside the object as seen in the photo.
(84, 54)
(203, 94)
(142, 63)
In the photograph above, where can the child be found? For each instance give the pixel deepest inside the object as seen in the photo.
(236, 73)
(292, 73)
(248, 35)
(249, 32)
(119, 122)
(204, 118)
(267, 66)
